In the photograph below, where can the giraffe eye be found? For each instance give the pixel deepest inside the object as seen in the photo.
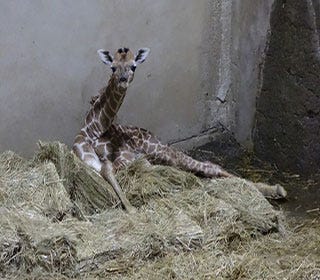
(133, 68)
(113, 69)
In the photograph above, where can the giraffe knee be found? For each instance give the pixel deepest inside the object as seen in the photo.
(120, 163)
(93, 162)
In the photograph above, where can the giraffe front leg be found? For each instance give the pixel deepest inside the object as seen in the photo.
(87, 154)
(108, 174)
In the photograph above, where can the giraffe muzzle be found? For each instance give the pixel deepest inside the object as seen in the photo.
(123, 83)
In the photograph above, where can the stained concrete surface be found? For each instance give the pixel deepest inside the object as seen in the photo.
(288, 120)
(49, 68)
(240, 32)
(250, 30)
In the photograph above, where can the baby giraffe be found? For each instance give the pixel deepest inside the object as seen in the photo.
(106, 146)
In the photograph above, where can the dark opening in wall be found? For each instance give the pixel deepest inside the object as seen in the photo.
(287, 131)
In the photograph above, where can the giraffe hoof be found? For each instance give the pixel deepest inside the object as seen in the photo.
(281, 192)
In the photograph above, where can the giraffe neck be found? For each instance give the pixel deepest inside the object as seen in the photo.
(102, 113)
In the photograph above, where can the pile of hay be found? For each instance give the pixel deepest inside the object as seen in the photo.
(61, 220)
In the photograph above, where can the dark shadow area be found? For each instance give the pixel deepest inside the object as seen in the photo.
(287, 127)
(302, 203)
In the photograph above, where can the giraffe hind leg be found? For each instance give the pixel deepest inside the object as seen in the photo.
(164, 154)
(271, 191)
(145, 142)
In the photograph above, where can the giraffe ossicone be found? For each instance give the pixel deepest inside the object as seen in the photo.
(106, 146)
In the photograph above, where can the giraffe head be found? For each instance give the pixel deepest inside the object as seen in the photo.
(123, 64)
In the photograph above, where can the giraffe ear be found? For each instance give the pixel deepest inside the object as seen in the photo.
(142, 55)
(105, 56)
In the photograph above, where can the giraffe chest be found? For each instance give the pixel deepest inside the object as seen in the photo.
(109, 147)
(116, 140)
(103, 148)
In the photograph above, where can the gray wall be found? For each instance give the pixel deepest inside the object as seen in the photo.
(250, 28)
(191, 81)
(288, 110)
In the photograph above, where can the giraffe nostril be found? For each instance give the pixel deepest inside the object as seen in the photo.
(122, 79)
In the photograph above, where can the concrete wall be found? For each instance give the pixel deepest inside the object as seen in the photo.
(192, 80)
(250, 28)
(238, 38)
(288, 113)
